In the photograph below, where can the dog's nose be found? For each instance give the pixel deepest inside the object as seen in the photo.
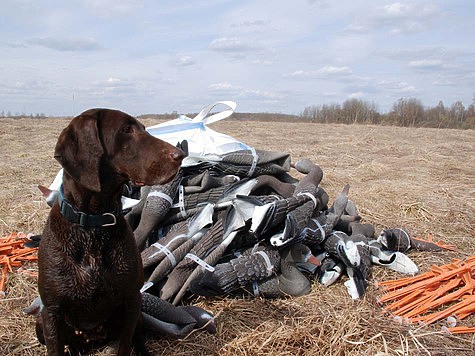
(177, 155)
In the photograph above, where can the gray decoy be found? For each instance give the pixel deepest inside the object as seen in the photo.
(254, 264)
(291, 281)
(398, 239)
(330, 270)
(233, 223)
(182, 232)
(354, 252)
(200, 250)
(154, 204)
(160, 316)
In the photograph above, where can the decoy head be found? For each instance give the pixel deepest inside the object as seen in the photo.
(299, 253)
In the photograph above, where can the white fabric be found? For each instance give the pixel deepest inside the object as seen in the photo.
(202, 141)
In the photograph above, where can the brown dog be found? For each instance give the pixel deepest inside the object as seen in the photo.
(90, 271)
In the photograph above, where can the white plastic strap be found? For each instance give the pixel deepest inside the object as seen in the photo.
(310, 195)
(166, 251)
(198, 260)
(255, 158)
(255, 288)
(203, 114)
(181, 201)
(179, 236)
(146, 286)
(267, 261)
(160, 195)
(320, 227)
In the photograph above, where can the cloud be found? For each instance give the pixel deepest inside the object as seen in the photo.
(65, 44)
(260, 94)
(113, 8)
(427, 64)
(231, 45)
(325, 71)
(399, 88)
(397, 18)
(255, 23)
(183, 61)
(223, 86)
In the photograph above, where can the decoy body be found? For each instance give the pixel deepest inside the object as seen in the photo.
(261, 271)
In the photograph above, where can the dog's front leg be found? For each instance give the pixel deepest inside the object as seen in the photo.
(129, 324)
(51, 331)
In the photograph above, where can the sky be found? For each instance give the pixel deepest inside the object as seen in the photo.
(60, 58)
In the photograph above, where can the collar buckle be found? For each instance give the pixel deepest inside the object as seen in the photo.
(114, 219)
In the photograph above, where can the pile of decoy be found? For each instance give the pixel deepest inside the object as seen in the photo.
(240, 223)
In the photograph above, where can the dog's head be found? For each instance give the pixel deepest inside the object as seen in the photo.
(101, 147)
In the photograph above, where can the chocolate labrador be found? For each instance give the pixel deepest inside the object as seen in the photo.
(90, 271)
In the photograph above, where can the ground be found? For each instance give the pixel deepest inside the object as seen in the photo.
(416, 178)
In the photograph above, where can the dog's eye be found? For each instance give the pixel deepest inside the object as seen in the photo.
(127, 129)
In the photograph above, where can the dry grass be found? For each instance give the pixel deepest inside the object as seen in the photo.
(420, 179)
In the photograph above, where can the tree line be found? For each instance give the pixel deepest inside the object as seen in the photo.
(404, 112)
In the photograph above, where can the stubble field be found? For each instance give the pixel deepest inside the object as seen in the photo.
(419, 179)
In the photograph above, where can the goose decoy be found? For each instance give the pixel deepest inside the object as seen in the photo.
(297, 219)
(152, 208)
(200, 250)
(245, 205)
(201, 182)
(398, 239)
(395, 260)
(173, 258)
(267, 217)
(367, 230)
(161, 317)
(395, 239)
(173, 238)
(253, 163)
(291, 281)
(233, 223)
(354, 252)
(254, 264)
(183, 231)
(331, 269)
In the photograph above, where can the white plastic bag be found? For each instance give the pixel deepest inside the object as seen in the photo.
(202, 141)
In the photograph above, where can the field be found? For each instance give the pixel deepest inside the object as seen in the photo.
(419, 179)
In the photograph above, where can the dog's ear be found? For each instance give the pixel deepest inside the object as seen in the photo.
(79, 150)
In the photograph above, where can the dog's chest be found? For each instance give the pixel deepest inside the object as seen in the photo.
(97, 264)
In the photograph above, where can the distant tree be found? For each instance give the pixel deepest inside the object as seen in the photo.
(358, 111)
(311, 113)
(408, 112)
(457, 114)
